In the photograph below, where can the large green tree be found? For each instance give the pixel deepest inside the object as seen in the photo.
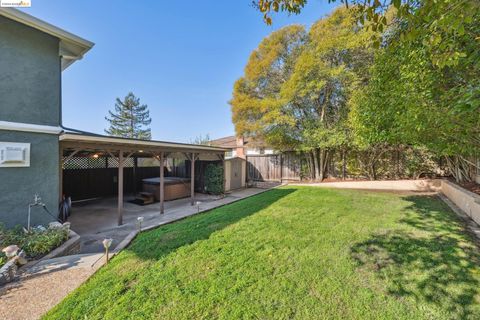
(431, 18)
(296, 87)
(414, 98)
(130, 119)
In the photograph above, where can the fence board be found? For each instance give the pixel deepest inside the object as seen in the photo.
(276, 167)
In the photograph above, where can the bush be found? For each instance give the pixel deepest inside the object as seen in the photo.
(35, 243)
(214, 179)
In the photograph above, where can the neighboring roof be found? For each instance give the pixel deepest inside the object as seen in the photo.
(73, 139)
(72, 47)
(231, 142)
(225, 142)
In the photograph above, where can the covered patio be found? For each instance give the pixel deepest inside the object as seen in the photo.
(96, 168)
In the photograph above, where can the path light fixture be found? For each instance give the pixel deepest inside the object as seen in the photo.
(106, 244)
(139, 223)
(198, 203)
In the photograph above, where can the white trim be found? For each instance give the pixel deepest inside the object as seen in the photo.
(29, 127)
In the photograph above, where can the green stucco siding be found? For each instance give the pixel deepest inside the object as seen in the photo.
(19, 185)
(29, 75)
(30, 82)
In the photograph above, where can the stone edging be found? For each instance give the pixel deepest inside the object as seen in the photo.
(9, 271)
(69, 247)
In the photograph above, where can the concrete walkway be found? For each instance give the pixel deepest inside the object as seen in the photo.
(45, 284)
(420, 185)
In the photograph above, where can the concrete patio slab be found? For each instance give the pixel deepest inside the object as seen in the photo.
(97, 220)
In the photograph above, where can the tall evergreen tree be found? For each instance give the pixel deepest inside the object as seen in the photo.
(129, 119)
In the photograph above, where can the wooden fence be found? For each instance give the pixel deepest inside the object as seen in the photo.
(274, 167)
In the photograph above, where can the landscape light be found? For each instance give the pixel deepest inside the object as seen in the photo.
(139, 221)
(198, 203)
(106, 244)
(95, 156)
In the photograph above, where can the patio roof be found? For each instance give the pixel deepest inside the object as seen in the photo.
(135, 146)
(122, 148)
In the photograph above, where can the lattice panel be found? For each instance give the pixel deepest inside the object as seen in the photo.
(80, 163)
(112, 162)
(84, 163)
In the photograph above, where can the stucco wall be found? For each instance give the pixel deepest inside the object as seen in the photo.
(18, 185)
(29, 75)
(30, 84)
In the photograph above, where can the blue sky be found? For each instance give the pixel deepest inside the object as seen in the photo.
(180, 57)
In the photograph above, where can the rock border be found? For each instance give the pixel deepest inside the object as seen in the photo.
(10, 271)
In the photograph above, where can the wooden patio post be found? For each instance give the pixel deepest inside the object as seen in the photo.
(120, 188)
(162, 181)
(224, 174)
(192, 179)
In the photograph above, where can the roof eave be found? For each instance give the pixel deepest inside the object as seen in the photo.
(75, 45)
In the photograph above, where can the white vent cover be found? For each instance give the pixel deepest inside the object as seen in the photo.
(14, 154)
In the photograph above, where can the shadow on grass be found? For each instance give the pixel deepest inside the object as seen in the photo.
(436, 262)
(160, 242)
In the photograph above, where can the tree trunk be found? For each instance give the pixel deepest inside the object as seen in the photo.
(344, 165)
(315, 164)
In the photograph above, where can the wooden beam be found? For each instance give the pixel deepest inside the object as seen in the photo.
(224, 176)
(70, 156)
(162, 183)
(120, 188)
(192, 179)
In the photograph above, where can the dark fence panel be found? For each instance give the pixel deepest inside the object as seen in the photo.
(103, 182)
(93, 183)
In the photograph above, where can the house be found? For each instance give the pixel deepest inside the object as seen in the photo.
(39, 156)
(242, 146)
(33, 55)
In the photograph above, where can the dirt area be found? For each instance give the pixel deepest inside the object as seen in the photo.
(470, 186)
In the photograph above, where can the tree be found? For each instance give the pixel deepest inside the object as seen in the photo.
(424, 17)
(416, 100)
(201, 139)
(296, 87)
(129, 119)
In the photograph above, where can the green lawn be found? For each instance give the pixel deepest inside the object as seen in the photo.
(294, 252)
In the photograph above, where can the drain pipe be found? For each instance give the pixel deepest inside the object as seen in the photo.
(37, 202)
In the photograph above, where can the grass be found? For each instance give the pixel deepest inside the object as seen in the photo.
(294, 252)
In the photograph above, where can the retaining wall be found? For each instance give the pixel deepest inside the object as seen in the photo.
(468, 201)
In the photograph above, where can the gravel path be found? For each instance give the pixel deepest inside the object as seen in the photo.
(35, 294)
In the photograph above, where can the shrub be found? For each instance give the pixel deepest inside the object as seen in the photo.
(35, 243)
(214, 179)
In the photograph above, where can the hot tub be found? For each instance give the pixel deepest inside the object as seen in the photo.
(175, 187)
